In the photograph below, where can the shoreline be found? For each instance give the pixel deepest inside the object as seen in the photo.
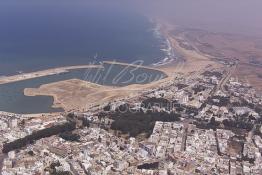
(191, 61)
(169, 58)
(170, 55)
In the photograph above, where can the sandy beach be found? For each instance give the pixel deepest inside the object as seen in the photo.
(192, 59)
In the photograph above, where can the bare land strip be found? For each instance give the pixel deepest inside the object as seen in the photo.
(43, 73)
(28, 116)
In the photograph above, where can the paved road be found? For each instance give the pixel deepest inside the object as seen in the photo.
(2, 157)
(222, 83)
(225, 80)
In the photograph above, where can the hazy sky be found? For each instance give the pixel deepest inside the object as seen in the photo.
(237, 16)
(234, 16)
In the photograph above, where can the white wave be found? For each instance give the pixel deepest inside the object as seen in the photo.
(164, 61)
(166, 46)
(169, 53)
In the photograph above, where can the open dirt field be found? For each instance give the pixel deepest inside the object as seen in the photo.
(80, 95)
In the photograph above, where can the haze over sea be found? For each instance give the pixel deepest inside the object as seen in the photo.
(45, 34)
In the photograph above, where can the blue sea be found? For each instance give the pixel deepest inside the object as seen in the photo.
(36, 35)
(41, 34)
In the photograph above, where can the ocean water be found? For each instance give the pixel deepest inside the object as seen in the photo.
(36, 35)
(12, 98)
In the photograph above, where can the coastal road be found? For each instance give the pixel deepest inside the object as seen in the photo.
(225, 80)
(222, 83)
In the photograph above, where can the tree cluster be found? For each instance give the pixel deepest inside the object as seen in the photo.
(139, 122)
